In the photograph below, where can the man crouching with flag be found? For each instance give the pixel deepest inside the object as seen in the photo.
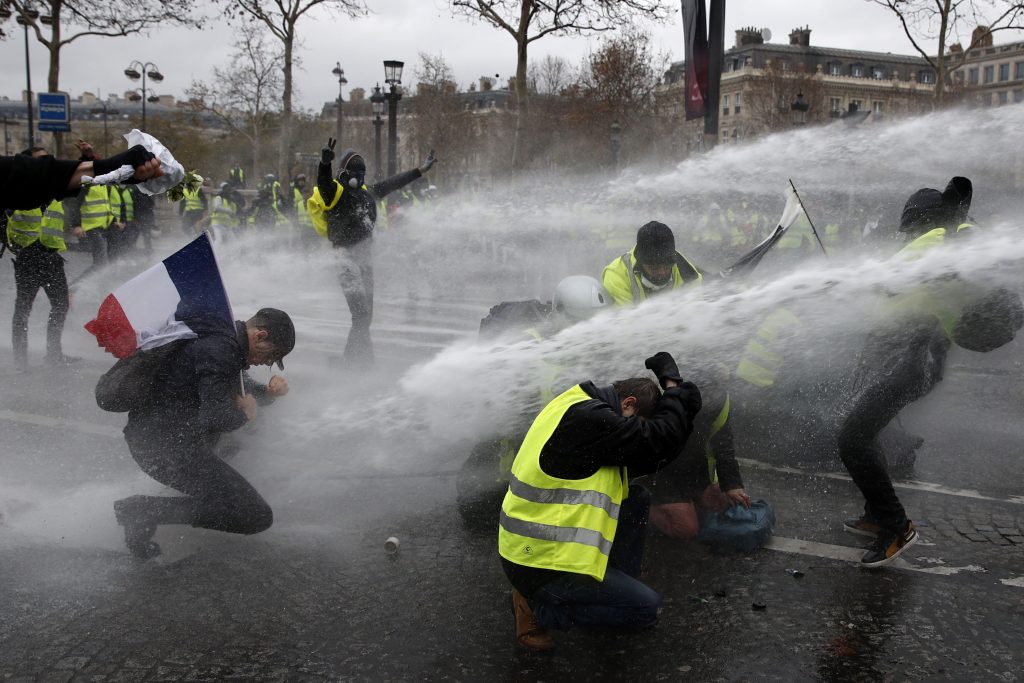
(194, 399)
(181, 378)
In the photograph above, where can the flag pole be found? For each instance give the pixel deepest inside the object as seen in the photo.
(809, 221)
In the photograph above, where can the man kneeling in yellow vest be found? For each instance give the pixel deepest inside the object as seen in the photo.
(572, 530)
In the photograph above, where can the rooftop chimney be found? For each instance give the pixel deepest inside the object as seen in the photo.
(749, 36)
(800, 36)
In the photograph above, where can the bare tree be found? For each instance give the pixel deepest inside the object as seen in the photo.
(770, 96)
(244, 95)
(74, 19)
(551, 75)
(945, 21)
(439, 120)
(530, 20)
(281, 17)
(621, 76)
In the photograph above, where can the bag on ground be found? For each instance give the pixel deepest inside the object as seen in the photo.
(738, 528)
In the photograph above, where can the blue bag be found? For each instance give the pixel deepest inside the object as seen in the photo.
(738, 528)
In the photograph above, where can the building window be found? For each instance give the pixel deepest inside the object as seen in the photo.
(857, 105)
(1004, 96)
(857, 71)
(1018, 96)
(1018, 71)
(725, 105)
(736, 109)
(1004, 72)
(835, 69)
(972, 76)
(835, 105)
(877, 72)
(925, 77)
(876, 108)
(990, 73)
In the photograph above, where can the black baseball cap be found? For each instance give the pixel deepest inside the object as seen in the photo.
(280, 331)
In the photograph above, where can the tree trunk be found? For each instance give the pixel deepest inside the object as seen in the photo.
(940, 59)
(283, 163)
(522, 96)
(522, 109)
(256, 151)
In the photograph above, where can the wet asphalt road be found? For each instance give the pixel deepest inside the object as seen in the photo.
(317, 597)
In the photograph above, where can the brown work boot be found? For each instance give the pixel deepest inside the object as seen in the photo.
(528, 633)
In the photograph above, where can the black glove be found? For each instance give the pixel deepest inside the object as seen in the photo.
(327, 153)
(664, 367)
(428, 162)
(690, 396)
(135, 156)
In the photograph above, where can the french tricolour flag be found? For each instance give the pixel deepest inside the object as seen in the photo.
(146, 311)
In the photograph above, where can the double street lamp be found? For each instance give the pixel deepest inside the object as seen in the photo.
(27, 18)
(377, 99)
(393, 77)
(340, 73)
(137, 70)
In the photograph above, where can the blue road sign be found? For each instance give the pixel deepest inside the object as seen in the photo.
(54, 112)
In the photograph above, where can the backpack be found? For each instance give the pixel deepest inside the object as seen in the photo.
(738, 528)
(513, 315)
(127, 385)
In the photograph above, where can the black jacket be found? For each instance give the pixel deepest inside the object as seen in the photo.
(193, 397)
(28, 182)
(594, 434)
(352, 219)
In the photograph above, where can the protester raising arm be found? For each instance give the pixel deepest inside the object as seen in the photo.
(29, 182)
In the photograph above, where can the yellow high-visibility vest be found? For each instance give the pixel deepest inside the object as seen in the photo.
(45, 225)
(95, 208)
(559, 524)
(624, 286)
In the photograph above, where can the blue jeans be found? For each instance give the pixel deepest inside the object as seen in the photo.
(621, 600)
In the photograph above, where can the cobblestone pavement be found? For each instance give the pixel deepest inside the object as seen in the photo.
(301, 604)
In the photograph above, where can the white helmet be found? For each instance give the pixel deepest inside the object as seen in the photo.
(578, 297)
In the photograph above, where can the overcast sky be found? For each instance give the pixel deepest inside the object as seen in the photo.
(401, 29)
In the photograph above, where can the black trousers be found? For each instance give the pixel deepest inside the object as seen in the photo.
(216, 496)
(96, 240)
(896, 368)
(38, 267)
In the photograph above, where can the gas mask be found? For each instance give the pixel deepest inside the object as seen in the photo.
(354, 173)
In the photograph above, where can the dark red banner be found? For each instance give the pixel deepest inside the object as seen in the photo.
(696, 38)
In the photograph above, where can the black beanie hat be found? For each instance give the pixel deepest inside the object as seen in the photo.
(957, 197)
(924, 210)
(655, 244)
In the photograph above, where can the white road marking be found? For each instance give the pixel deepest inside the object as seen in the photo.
(910, 484)
(60, 423)
(846, 554)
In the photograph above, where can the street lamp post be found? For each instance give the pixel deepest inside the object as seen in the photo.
(340, 73)
(377, 99)
(147, 95)
(26, 18)
(393, 77)
(104, 109)
(615, 135)
(142, 70)
(799, 109)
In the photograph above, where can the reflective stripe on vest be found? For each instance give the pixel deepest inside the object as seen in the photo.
(25, 227)
(95, 208)
(942, 298)
(762, 356)
(192, 200)
(559, 524)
